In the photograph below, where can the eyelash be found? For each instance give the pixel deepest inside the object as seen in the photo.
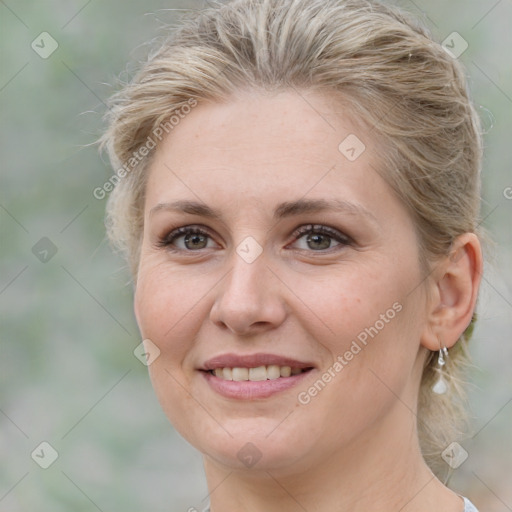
(343, 240)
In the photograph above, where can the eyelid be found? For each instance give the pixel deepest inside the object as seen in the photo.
(339, 236)
(168, 240)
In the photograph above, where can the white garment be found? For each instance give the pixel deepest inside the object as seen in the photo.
(468, 506)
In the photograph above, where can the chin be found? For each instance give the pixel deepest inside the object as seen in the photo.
(254, 444)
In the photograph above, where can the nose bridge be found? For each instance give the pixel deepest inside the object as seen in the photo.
(249, 296)
(247, 279)
(249, 268)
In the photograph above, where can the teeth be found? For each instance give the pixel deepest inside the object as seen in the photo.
(240, 374)
(270, 372)
(285, 371)
(259, 373)
(273, 372)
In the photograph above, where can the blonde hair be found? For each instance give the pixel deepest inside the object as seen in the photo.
(385, 66)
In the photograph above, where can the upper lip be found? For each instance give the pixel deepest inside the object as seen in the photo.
(252, 361)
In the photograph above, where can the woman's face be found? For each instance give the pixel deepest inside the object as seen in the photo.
(301, 270)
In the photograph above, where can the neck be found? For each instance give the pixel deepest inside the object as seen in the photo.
(369, 474)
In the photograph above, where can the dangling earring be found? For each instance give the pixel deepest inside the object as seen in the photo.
(440, 387)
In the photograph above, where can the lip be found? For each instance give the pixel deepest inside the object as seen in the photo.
(249, 390)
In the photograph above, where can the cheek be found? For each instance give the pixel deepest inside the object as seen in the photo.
(168, 306)
(350, 305)
(370, 324)
(370, 375)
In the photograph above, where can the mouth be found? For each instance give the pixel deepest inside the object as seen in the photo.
(254, 376)
(258, 373)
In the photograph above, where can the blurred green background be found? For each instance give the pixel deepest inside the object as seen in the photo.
(68, 375)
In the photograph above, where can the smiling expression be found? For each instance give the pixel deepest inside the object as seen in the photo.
(266, 251)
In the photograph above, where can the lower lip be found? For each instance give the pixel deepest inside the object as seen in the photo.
(249, 390)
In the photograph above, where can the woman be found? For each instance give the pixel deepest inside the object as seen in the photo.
(298, 199)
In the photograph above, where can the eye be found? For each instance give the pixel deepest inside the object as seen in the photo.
(319, 238)
(187, 238)
(312, 237)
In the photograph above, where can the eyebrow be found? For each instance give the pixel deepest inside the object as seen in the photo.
(283, 210)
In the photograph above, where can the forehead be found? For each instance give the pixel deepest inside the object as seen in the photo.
(261, 149)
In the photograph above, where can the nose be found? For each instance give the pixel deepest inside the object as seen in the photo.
(250, 299)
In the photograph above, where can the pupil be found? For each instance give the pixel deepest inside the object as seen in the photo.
(321, 241)
(196, 240)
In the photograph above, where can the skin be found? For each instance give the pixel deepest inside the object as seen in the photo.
(354, 446)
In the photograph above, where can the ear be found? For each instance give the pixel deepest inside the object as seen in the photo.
(453, 290)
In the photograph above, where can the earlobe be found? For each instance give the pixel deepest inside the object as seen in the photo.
(456, 281)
